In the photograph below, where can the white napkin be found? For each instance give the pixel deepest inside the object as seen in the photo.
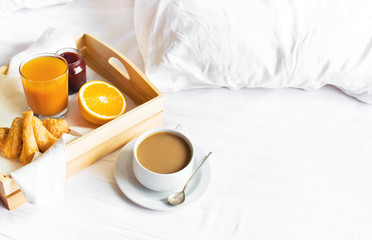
(42, 180)
(49, 42)
(12, 99)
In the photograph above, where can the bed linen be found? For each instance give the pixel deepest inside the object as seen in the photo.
(286, 163)
(215, 43)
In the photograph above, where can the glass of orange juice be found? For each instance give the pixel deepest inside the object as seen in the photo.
(45, 83)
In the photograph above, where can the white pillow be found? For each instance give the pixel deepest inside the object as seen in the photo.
(9, 6)
(235, 44)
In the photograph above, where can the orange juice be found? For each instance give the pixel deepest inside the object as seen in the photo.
(45, 82)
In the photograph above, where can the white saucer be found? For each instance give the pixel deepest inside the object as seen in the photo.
(147, 198)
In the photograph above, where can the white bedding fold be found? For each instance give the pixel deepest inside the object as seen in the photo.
(270, 44)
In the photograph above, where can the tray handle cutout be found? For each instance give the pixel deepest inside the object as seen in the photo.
(135, 83)
(119, 67)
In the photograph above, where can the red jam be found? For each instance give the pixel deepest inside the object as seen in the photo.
(77, 75)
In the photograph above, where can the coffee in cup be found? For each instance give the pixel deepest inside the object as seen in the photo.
(163, 159)
(164, 152)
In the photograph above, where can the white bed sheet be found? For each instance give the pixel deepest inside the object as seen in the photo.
(286, 164)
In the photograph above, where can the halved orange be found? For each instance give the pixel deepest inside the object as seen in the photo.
(100, 102)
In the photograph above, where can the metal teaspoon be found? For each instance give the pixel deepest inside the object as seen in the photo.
(179, 197)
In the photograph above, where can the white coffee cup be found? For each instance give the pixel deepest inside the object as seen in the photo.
(157, 181)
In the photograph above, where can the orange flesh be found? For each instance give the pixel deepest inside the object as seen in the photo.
(103, 100)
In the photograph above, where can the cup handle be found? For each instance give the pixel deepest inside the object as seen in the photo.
(181, 127)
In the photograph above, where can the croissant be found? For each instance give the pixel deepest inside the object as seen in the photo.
(57, 127)
(29, 147)
(43, 137)
(13, 143)
(3, 135)
(29, 134)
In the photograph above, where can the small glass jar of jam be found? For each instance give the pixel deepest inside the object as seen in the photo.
(77, 70)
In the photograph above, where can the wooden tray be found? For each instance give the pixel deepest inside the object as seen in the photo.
(113, 135)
